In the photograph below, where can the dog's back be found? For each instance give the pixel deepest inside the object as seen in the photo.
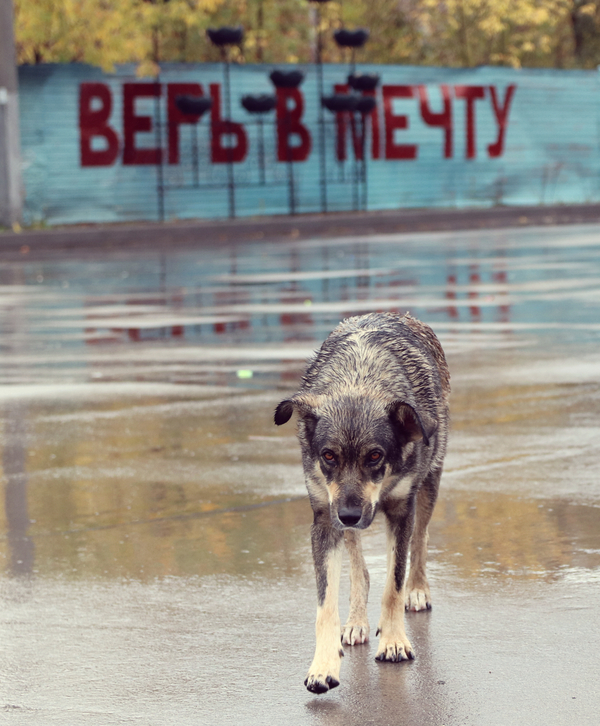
(374, 345)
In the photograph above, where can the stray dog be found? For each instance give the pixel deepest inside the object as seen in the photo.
(373, 422)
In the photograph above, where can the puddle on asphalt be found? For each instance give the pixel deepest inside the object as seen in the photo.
(473, 535)
(138, 491)
(136, 436)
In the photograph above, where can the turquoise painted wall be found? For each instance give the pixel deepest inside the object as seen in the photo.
(440, 138)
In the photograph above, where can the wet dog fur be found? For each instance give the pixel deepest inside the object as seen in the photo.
(373, 423)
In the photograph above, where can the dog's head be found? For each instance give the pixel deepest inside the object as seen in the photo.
(354, 449)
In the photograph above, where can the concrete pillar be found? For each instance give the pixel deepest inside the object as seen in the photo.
(11, 189)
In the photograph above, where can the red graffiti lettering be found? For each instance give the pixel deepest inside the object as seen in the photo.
(94, 123)
(176, 117)
(393, 122)
(133, 124)
(220, 127)
(289, 125)
(501, 114)
(470, 94)
(443, 119)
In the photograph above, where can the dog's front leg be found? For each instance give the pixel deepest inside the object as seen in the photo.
(393, 642)
(418, 596)
(356, 629)
(324, 673)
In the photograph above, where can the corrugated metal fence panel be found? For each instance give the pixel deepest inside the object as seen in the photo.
(476, 137)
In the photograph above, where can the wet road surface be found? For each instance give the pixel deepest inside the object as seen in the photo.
(155, 563)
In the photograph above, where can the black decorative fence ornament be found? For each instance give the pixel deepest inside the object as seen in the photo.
(359, 108)
(195, 106)
(319, 63)
(363, 81)
(365, 106)
(352, 39)
(259, 106)
(340, 102)
(284, 81)
(357, 105)
(223, 38)
(345, 103)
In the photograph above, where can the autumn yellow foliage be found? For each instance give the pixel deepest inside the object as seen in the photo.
(457, 33)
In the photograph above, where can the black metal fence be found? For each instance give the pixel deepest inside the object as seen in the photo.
(273, 161)
(343, 177)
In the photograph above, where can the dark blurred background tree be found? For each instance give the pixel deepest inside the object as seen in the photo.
(456, 33)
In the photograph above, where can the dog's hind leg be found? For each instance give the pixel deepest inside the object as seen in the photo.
(324, 673)
(418, 596)
(394, 645)
(356, 629)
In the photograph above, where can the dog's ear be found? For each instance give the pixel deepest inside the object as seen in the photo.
(305, 405)
(284, 411)
(417, 427)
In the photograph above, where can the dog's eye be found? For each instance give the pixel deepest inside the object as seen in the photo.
(329, 456)
(374, 457)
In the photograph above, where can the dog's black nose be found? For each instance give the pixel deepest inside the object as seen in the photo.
(349, 516)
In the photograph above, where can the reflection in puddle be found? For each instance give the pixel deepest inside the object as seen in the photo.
(145, 447)
(150, 317)
(497, 535)
(472, 536)
(206, 488)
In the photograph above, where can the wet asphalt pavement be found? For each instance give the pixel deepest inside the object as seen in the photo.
(155, 563)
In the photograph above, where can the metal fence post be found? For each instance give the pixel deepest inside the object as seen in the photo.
(11, 194)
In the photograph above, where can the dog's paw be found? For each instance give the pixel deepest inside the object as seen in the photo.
(324, 675)
(394, 649)
(355, 633)
(321, 683)
(418, 599)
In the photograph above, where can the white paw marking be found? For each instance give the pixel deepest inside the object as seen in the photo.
(355, 633)
(323, 676)
(394, 649)
(418, 599)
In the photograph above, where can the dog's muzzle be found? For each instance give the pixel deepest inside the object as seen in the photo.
(350, 516)
(353, 515)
